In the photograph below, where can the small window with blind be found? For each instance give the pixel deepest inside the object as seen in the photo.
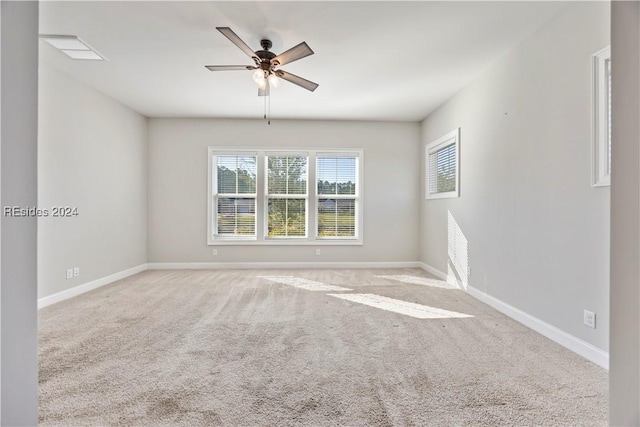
(234, 196)
(601, 100)
(287, 195)
(442, 166)
(337, 196)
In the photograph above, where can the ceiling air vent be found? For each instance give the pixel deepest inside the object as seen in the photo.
(73, 47)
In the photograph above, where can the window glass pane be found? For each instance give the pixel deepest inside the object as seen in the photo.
(336, 175)
(442, 170)
(236, 174)
(287, 174)
(336, 217)
(236, 216)
(287, 217)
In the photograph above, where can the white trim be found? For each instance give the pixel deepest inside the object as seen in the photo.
(429, 269)
(358, 239)
(212, 219)
(89, 286)
(434, 146)
(583, 348)
(267, 197)
(600, 173)
(276, 265)
(290, 241)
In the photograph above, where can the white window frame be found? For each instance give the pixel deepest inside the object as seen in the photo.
(262, 237)
(435, 146)
(357, 196)
(212, 197)
(267, 196)
(600, 148)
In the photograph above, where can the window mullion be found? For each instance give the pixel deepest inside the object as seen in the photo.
(261, 205)
(312, 200)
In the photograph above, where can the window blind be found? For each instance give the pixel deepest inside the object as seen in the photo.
(235, 182)
(442, 169)
(287, 195)
(337, 195)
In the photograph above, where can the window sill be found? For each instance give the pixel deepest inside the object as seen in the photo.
(447, 195)
(319, 242)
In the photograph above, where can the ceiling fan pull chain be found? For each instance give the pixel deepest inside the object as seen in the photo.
(269, 110)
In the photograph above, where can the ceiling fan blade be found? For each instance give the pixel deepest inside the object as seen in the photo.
(297, 52)
(233, 37)
(229, 67)
(309, 85)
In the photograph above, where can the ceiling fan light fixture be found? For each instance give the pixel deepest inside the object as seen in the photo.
(259, 78)
(273, 80)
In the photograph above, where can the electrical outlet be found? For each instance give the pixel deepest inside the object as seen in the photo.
(318, 252)
(76, 271)
(215, 252)
(590, 319)
(69, 273)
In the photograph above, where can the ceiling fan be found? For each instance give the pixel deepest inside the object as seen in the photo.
(267, 63)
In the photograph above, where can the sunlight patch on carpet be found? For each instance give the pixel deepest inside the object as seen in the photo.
(418, 311)
(309, 285)
(425, 281)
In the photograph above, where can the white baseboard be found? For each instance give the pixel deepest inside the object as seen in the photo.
(583, 348)
(89, 286)
(276, 265)
(429, 269)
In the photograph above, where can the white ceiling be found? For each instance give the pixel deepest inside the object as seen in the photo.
(373, 60)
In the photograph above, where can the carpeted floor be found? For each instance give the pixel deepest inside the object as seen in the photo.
(234, 348)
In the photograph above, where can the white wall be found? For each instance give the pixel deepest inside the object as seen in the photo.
(624, 376)
(538, 232)
(177, 225)
(92, 154)
(19, 340)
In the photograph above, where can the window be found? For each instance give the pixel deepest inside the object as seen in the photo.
(442, 166)
(337, 196)
(235, 195)
(287, 195)
(268, 197)
(601, 107)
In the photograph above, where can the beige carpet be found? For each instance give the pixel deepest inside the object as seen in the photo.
(206, 348)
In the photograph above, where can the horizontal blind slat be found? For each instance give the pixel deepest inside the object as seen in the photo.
(442, 169)
(336, 175)
(236, 174)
